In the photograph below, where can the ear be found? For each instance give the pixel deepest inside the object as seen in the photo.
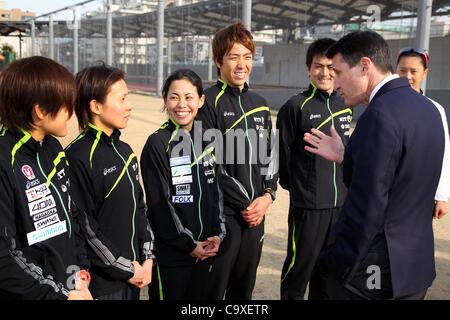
(365, 63)
(426, 72)
(201, 102)
(39, 113)
(95, 107)
(218, 64)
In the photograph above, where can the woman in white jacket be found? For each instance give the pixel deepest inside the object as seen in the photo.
(412, 63)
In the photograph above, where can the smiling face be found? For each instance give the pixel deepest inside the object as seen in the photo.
(182, 102)
(236, 66)
(115, 112)
(321, 73)
(412, 68)
(350, 83)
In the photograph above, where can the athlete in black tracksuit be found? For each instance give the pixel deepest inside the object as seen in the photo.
(227, 108)
(315, 185)
(41, 246)
(107, 171)
(185, 206)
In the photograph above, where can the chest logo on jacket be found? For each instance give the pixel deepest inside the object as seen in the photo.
(178, 161)
(183, 199)
(37, 192)
(107, 171)
(28, 172)
(183, 189)
(61, 174)
(41, 205)
(181, 171)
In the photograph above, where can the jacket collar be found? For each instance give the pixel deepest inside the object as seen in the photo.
(316, 92)
(392, 84)
(95, 132)
(233, 90)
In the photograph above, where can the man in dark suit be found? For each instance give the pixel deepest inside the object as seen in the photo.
(384, 245)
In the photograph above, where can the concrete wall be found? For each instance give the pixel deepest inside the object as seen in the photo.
(284, 65)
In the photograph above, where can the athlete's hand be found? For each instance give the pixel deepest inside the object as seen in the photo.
(211, 247)
(82, 294)
(255, 212)
(138, 277)
(199, 250)
(148, 267)
(440, 209)
(328, 147)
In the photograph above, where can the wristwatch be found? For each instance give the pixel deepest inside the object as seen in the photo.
(271, 192)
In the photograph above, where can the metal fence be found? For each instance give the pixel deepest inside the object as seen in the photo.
(78, 37)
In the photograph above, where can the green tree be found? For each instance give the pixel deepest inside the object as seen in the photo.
(8, 52)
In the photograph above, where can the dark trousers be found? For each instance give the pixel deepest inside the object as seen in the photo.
(369, 283)
(309, 233)
(234, 269)
(128, 293)
(180, 283)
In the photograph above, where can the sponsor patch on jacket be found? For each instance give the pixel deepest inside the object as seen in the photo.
(178, 161)
(41, 205)
(44, 214)
(181, 170)
(31, 184)
(183, 189)
(37, 192)
(61, 174)
(28, 172)
(46, 233)
(183, 199)
(107, 171)
(181, 180)
(346, 119)
(41, 224)
(229, 114)
(209, 172)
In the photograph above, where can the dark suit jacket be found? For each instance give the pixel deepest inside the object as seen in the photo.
(392, 166)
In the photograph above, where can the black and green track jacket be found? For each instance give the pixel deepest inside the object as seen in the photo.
(313, 182)
(241, 113)
(105, 169)
(41, 245)
(183, 195)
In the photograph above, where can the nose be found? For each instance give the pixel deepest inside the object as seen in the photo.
(128, 105)
(182, 102)
(240, 62)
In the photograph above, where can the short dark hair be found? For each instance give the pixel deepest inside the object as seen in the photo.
(318, 48)
(423, 60)
(33, 81)
(181, 74)
(359, 44)
(225, 38)
(94, 83)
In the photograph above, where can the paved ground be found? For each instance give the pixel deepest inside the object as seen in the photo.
(147, 117)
